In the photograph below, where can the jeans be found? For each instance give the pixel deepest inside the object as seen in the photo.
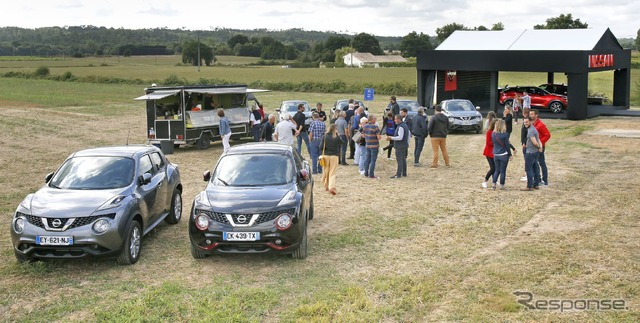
(315, 152)
(303, 136)
(543, 168)
(530, 161)
(401, 160)
(492, 168)
(419, 140)
(501, 168)
(343, 149)
(255, 130)
(358, 152)
(361, 159)
(371, 155)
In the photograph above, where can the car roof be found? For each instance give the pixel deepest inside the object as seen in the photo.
(296, 101)
(259, 148)
(454, 100)
(116, 151)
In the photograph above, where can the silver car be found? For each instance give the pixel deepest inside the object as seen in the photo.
(100, 202)
(462, 115)
(291, 108)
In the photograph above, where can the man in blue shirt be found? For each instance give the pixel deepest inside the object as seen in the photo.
(316, 132)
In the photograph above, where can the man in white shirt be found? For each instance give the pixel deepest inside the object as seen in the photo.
(285, 131)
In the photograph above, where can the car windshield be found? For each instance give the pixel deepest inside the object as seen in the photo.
(457, 106)
(293, 106)
(254, 170)
(409, 105)
(94, 173)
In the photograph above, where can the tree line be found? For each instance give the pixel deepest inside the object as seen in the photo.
(291, 45)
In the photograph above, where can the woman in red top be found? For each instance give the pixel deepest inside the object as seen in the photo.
(488, 151)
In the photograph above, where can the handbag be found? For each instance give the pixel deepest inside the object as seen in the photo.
(321, 161)
(356, 136)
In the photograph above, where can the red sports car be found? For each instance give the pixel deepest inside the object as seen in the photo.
(539, 97)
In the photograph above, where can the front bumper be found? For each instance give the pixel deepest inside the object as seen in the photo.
(86, 243)
(271, 240)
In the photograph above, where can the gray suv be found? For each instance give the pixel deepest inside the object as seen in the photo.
(462, 115)
(100, 202)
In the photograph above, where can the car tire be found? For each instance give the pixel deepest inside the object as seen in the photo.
(555, 106)
(175, 214)
(509, 102)
(203, 142)
(22, 258)
(196, 253)
(132, 244)
(301, 252)
(311, 210)
(478, 130)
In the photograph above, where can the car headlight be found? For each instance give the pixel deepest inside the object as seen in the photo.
(202, 221)
(101, 226)
(450, 119)
(18, 224)
(112, 203)
(288, 198)
(283, 221)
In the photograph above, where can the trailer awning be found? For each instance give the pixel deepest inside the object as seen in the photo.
(157, 95)
(223, 90)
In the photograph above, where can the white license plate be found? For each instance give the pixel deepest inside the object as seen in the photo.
(54, 241)
(241, 236)
(466, 123)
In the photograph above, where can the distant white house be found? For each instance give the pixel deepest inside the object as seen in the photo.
(368, 59)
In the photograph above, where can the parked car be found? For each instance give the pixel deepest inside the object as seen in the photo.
(462, 115)
(411, 106)
(539, 98)
(100, 202)
(343, 105)
(258, 199)
(291, 108)
(555, 88)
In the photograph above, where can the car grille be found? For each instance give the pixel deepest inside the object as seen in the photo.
(465, 118)
(262, 217)
(78, 222)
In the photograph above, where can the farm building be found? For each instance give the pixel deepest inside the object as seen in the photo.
(368, 59)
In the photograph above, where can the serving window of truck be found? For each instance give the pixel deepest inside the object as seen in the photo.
(189, 114)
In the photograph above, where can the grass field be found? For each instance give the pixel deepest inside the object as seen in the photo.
(431, 247)
(235, 69)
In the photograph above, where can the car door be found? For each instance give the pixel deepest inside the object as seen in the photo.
(163, 197)
(538, 97)
(303, 185)
(148, 192)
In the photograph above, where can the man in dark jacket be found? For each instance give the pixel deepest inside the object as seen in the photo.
(419, 131)
(395, 108)
(438, 129)
(303, 128)
(401, 145)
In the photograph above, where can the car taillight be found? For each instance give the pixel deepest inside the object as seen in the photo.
(283, 221)
(202, 222)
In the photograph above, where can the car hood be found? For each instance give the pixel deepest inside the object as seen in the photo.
(246, 199)
(463, 114)
(60, 203)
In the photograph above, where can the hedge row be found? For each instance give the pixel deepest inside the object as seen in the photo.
(337, 86)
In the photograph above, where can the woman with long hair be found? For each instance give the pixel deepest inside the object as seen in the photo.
(501, 152)
(488, 152)
(491, 116)
(330, 145)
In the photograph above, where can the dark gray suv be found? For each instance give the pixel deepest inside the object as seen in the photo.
(100, 202)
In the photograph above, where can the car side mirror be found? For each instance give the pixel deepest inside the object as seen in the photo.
(206, 176)
(48, 177)
(304, 174)
(477, 108)
(144, 179)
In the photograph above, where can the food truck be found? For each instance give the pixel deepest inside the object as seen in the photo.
(178, 115)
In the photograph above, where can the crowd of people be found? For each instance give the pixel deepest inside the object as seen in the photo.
(360, 133)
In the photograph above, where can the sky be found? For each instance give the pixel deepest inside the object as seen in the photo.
(376, 17)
